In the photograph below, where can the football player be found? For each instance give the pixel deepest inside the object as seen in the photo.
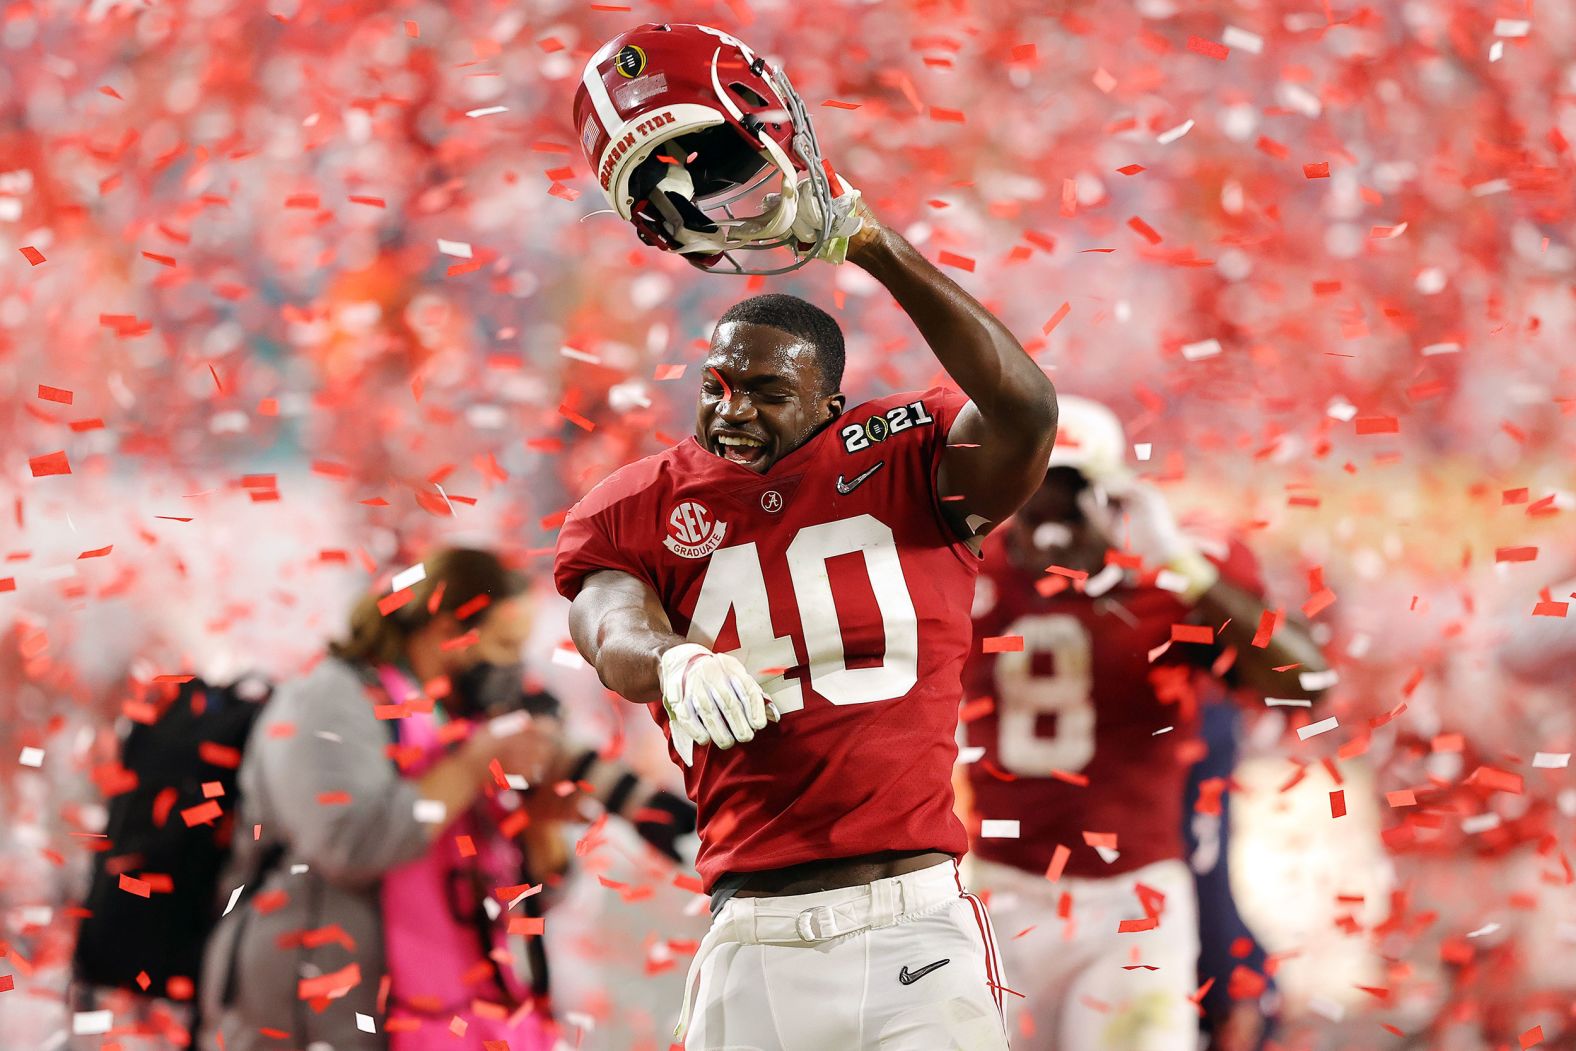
(792, 585)
(1078, 695)
(788, 590)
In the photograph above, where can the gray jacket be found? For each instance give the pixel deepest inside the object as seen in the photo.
(318, 735)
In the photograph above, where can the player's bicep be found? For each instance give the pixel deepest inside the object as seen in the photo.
(988, 469)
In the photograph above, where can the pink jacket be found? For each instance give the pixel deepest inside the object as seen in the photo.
(443, 983)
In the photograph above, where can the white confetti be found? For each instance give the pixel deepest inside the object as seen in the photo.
(365, 1023)
(1318, 680)
(1242, 40)
(1551, 760)
(1104, 581)
(1496, 51)
(235, 897)
(1107, 854)
(1300, 99)
(406, 577)
(1204, 348)
(486, 111)
(1441, 348)
(1287, 702)
(1479, 823)
(996, 829)
(1483, 189)
(970, 755)
(1173, 134)
(1320, 727)
(32, 757)
(1341, 409)
(92, 1023)
(430, 811)
(1162, 730)
(568, 657)
(1511, 27)
(1486, 929)
(458, 249)
(1141, 450)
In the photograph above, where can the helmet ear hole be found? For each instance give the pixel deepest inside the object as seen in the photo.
(748, 95)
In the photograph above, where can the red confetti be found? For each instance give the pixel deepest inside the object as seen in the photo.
(1320, 170)
(132, 885)
(55, 394)
(49, 464)
(32, 255)
(1056, 319)
(1002, 644)
(1144, 230)
(1058, 862)
(1378, 425)
(1208, 48)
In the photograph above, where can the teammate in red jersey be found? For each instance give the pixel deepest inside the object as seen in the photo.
(792, 585)
(1087, 733)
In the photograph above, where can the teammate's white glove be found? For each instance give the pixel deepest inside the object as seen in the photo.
(711, 697)
(1135, 517)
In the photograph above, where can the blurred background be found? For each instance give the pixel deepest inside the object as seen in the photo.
(290, 290)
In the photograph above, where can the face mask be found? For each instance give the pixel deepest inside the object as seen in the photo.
(486, 689)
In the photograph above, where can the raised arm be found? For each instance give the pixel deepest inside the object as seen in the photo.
(1291, 647)
(999, 444)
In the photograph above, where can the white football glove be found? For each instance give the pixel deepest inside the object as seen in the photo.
(1134, 517)
(711, 697)
(846, 221)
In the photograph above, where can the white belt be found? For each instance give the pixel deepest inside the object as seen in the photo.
(806, 919)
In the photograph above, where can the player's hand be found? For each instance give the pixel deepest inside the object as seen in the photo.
(521, 744)
(849, 219)
(1133, 516)
(711, 697)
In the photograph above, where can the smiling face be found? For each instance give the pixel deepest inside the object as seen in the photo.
(762, 395)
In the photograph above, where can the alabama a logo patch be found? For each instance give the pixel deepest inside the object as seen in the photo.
(693, 531)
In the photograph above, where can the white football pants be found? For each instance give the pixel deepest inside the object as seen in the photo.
(1085, 986)
(907, 963)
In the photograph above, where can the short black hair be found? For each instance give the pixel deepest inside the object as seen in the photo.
(796, 317)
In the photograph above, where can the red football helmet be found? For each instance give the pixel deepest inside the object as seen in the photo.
(683, 123)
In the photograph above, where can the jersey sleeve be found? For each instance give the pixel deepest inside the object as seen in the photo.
(944, 404)
(586, 545)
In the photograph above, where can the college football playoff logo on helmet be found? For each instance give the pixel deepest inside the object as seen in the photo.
(631, 61)
(693, 531)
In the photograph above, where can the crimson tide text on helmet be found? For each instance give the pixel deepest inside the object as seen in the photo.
(684, 123)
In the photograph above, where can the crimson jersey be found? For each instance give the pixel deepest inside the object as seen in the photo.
(836, 580)
(1083, 702)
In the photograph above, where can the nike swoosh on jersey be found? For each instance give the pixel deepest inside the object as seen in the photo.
(847, 487)
(908, 977)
